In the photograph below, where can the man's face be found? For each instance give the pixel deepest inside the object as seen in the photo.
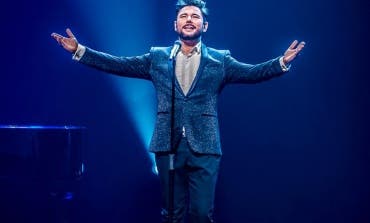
(190, 24)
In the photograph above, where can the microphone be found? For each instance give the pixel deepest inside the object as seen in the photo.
(175, 49)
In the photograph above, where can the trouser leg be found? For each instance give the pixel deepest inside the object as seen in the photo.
(196, 176)
(203, 171)
(180, 185)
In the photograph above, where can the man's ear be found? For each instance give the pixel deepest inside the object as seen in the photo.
(205, 27)
(175, 25)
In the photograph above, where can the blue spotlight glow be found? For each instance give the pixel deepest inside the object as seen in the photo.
(120, 30)
(139, 98)
(68, 196)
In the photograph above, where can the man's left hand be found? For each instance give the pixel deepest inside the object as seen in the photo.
(293, 51)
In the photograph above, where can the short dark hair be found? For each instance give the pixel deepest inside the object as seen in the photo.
(197, 3)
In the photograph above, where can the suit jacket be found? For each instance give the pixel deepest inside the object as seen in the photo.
(196, 111)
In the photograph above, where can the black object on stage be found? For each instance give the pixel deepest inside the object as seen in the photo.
(40, 171)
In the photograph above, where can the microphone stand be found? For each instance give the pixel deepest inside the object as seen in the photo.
(171, 171)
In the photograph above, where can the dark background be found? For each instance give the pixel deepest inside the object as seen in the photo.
(296, 148)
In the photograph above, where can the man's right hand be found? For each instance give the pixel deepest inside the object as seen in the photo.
(69, 43)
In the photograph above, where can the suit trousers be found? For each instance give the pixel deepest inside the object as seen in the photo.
(194, 184)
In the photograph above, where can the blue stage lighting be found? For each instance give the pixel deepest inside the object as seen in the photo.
(117, 32)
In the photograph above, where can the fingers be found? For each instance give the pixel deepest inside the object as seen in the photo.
(300, 46)
(58, 38)
(63, 42)
(69, 33)
(293, 45)
(293, 51)
(56, 35)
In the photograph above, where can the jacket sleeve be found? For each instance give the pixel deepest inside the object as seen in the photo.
(135, 67)
(238, 72)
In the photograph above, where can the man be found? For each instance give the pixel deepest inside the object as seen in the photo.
(189, 107)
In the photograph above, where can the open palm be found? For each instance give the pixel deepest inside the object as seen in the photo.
(69, 43)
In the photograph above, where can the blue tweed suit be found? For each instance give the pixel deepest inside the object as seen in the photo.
(198, 155)
(196, 111)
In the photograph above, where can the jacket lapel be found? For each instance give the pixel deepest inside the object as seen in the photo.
(203, 62)
(171, 72)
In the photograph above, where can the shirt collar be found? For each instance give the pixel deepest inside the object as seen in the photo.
(197, 48)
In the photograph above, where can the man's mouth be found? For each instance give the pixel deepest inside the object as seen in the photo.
(189, 27)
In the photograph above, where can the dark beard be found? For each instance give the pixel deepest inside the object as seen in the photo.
(192, 37)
